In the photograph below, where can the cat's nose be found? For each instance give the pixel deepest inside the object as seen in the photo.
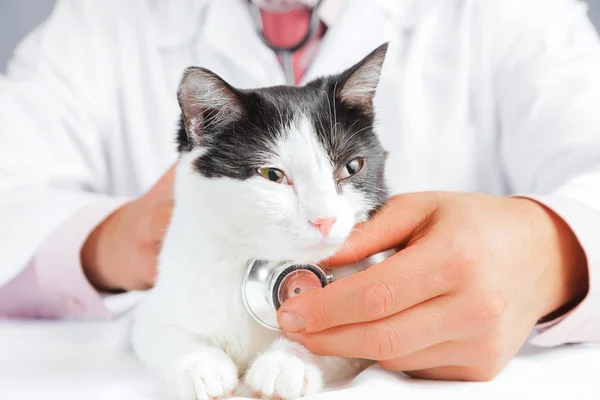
(324, 224)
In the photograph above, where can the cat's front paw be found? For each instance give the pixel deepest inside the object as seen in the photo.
(280, 375)
(205, 375)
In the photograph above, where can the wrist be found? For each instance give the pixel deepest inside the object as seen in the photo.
(96, 252)
(564, 283)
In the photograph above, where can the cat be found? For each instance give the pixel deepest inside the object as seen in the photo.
(278, 173)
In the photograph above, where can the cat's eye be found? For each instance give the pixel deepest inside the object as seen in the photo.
(351, 168)
(273, 174)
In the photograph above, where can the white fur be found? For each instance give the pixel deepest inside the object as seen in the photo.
(193, 325)
(203, 375)
(283, 372)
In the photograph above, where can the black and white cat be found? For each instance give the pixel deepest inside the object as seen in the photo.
(280, 173)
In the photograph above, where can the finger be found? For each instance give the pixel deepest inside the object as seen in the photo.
(149, 273)
(439, 355)
(164, 186)
(435, 321)
(450, 373)
(399, 218)
(410, 277)
(454, 360)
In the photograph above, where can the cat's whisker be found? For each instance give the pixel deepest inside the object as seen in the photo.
(329, 111)
(278, 111)
(350, 138)
(365, 233)
(334, 111)
(344, 140)
(351, 126)
(351, 250)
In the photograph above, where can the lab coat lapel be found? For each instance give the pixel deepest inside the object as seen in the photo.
(359, 30)
(362, 27)
(222, 28)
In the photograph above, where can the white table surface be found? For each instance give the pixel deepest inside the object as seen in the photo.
(89, 360)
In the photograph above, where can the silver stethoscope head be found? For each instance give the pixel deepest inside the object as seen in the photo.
(266, 285)
(286, 52)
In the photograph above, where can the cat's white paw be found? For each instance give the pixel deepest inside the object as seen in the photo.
(280, 375)
(205, 375)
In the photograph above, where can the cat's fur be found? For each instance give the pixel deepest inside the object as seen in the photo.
(193, 324)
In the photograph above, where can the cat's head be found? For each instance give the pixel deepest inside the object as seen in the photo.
(287, 171)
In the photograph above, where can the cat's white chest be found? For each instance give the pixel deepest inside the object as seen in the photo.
(229, 326)
(203, 297)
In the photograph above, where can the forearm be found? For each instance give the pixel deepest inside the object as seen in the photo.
(53, 284)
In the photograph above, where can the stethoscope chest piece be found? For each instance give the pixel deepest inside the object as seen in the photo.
(266, 285)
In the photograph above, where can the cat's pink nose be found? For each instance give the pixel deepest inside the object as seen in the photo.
(324, 224)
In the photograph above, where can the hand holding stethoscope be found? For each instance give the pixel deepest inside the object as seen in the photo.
(267, 285)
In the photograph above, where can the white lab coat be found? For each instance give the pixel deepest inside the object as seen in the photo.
(475, 95)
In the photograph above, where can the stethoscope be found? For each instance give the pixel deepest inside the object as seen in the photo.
(286, 53)
(266, 285)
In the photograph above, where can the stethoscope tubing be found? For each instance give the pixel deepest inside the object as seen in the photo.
(286, 53)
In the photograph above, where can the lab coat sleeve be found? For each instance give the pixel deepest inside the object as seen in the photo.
(53, 284)
(546, 57)
(54, 113)
(581, 324)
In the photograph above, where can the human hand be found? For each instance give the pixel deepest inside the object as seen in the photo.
(473, 276)
(121, 253)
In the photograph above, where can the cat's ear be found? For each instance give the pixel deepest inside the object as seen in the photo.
(206, 100)
(357, 85)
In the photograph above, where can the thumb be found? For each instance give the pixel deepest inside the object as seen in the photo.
(391, 227)
(163, 188)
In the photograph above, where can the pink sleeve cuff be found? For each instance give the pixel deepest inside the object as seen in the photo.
(582, 324)
(54, 285)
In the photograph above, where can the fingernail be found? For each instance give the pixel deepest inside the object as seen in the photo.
(294, 337)
(291, 322)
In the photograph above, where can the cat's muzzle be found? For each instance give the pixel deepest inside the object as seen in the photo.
(267, 285)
